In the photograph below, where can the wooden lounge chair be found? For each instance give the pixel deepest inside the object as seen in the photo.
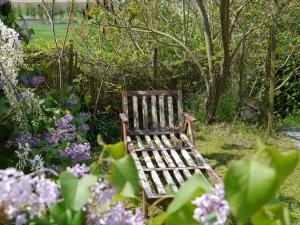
(159, 137)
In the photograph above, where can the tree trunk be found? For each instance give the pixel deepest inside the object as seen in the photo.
(240, 67)
(218, 81)
(207, 36)
(272, 67)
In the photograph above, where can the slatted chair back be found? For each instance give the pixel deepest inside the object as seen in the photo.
(153, 110)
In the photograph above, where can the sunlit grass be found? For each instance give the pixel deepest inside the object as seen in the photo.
(43, 33)
(222, 143)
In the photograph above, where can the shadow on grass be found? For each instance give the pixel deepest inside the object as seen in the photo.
(233, 146)
(292, 203)
(222, 159)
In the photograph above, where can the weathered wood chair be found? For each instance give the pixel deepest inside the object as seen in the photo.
(159, 137)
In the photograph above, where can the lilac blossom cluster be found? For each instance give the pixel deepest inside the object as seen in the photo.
(77, 152)
(64, 131)
(21, 140)
(2, 2)
(32, 81)
(85, 115)
(78, 170)
(212, 205)
(23, 196)
(72, 101)
(101, 195)
(84, 127)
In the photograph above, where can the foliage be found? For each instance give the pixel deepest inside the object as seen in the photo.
(251, 188)
(81, 197)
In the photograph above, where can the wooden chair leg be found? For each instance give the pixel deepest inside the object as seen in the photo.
(144, 203)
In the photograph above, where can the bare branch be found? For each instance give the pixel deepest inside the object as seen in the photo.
(288, 78)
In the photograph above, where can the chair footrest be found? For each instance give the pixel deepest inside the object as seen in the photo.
(164, 162)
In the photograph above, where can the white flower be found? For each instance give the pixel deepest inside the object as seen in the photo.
(11, 54)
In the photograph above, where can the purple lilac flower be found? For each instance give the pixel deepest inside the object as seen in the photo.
(26, 95)
(37, 81)
(63, 131)
(102, 193)
(26, 138)
(9, 144)
(84, 127)
(77, 152)
(32, 81)
(56, 168)
(72, 101)
(52, 138)
(212, 204)
(118, 215)
(101, 197)
(1, 82)
(21, 219)
(2, 2)
(78, 170)
(25, 79)
(22, 139)
(85, 115)
(24, 193)
(64, 121)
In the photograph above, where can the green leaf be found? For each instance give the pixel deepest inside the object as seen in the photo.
(183, 216)
(124, 175)
(248, 186)
(87, 99)
(60, 214)
(192, 188)
(117, 150)
(78, 218)
(283, 162)
(274, 213)
(180, 211)
(76, 191)
(100, 140)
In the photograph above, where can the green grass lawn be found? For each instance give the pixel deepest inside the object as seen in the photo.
(43, 32)
(222, 143)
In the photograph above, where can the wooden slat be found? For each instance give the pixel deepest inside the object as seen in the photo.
(180, 108)
(184, 153)
(161, 149)
(161, 164)
(177, 168)
(153, 132)
(154, 175)
(187, 141)
(135, 113)
(125, 103)
(141, 173)
(175, 155)
(169, 160)
(154, 112)
(145, 112)
(196, 153)
(162, 111)
(151, 92)
(170, 112)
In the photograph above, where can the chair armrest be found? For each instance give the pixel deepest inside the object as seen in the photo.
(189, 117)
(123, 118)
